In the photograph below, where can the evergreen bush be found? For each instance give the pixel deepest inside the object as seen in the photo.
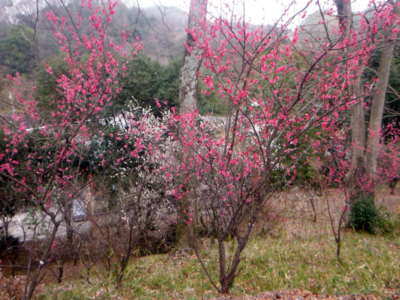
(365, 216)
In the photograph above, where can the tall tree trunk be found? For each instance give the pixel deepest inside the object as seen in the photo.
(378, 102)
(358, 140)
(188, 94)
(345, 17)
(364, 163)
(358, 128)
(191, 62)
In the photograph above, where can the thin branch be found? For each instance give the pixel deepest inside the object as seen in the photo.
(201, 261)
(9, 103)
(36, 20)
(324, 22)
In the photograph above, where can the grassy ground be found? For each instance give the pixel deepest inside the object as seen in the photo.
(290, 251)
(369, 265)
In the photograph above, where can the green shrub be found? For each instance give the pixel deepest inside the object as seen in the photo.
(365, 216)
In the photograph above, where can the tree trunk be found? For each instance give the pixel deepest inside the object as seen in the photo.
(378, 102)
(188, 96)
(37, 276)
(191, 62)
(364, 163)
(68, 218)
(345, 17)
(358, 140)
(358, 133)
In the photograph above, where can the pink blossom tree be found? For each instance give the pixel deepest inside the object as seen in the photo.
(54, 150)
(351, 165)
(278, 90)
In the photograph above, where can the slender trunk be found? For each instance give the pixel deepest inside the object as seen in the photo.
(60, 272)
(222, 267)
(338, 247)
(37, 274)
(136, 230)
(120, 274)
(68, 223)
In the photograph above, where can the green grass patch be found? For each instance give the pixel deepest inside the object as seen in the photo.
(368, 265)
